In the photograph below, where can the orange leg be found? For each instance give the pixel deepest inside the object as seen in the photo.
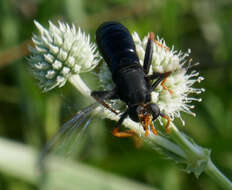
(151, 36)
(153, 128)
(168, 122)
(161, 45)
(143, 121)
(166, 88)
(124, 134)
(146, 131)
(146, 120)
(146, 124)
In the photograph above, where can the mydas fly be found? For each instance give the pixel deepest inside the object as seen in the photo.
(133, 84)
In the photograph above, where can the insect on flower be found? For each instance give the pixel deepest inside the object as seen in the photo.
(133, 84)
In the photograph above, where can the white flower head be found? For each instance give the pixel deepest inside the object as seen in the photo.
(60, 51)
(179, 82)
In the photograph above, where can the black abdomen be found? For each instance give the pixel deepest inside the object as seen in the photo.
(116, 46)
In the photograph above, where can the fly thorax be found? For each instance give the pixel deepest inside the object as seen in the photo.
(132, 86)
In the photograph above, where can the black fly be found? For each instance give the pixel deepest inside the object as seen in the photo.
(133, 84)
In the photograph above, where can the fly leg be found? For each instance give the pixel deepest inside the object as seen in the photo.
(161, 78)
(100, 96)
(154, 131)
(148, 53)
(146, 121)
(161, 45)
(122, 134)
(168, 122)
(166, 88)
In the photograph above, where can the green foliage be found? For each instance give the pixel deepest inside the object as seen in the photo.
(28, 116)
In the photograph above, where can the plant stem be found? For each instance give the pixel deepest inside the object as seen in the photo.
(183, 142)
(197, 158)
(217, 175)
(195, 152)
(80, 85)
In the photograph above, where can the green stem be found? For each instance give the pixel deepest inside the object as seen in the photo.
(189, 148)
(200, 157)
(80, 85)
(212, 171)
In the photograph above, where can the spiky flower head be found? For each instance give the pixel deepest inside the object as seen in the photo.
(179, 82)
(60, 52)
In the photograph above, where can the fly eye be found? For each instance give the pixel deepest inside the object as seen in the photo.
(155, 110)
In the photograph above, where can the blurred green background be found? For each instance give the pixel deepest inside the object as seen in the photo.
(30, 117)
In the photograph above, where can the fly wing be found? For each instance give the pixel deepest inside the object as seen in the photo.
(63, 141)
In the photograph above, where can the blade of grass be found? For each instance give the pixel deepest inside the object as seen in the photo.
(19, 161)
